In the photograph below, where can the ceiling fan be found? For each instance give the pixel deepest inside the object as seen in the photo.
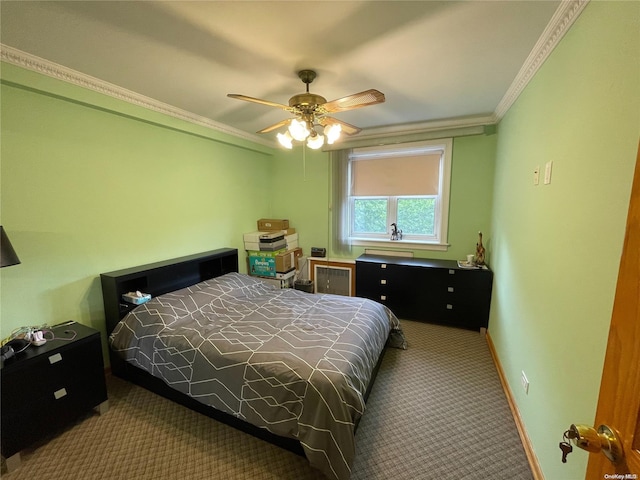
(310, 110)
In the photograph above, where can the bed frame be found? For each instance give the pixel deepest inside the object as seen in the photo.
(164, 277)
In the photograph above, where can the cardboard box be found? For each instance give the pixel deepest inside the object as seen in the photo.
(271, 247)
(262, 266)
(281, 280)
(252, 246)
(297, 254)
(292, 241)
(284, 262)
(260, 253)
(271, 224)
(252, 237)
(268, 264)
(271, 237)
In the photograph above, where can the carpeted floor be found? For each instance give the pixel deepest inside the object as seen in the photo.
(437, 411)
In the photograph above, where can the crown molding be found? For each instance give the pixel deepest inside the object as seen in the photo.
(563, 18)
(22, 59)
(427, 127)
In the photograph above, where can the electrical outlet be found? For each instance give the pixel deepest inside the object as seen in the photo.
(525, 383)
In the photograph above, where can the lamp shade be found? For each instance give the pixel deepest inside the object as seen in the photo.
(8, 255)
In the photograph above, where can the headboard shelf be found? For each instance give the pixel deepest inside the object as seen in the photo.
(162, 277)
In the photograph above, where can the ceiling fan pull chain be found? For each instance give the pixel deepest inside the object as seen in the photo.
(304, 162)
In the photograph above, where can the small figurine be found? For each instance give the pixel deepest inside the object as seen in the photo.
(479, 251)
(395, 233)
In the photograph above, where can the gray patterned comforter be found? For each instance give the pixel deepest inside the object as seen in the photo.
(294, 363)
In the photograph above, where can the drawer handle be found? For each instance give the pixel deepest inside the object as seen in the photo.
(452, 272)
(55, 358)
(449, 306)
(449, 289)
(383, 297)
(383, 282)
(60, 393)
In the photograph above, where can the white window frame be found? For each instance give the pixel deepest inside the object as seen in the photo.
(439, 241)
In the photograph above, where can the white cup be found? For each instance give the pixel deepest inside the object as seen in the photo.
(470, 259)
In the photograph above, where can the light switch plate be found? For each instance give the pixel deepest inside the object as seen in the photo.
(547, 172)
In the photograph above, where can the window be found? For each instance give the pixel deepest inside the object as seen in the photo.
(406, 185)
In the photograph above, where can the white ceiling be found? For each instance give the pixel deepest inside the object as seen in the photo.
(434, 60)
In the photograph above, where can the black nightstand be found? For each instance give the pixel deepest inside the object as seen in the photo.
(45, 388)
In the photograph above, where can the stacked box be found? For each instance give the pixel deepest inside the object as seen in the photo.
(291, 241)
(271, 237)
(271, 224)
(282, 280)
(261, 266)
(270, 264)
(270, 242)
(273, 249)
(252, 239)
(296, 253)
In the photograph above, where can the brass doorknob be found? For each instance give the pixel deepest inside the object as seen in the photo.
(604, 440)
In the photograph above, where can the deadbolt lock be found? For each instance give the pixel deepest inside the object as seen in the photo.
(604, 440)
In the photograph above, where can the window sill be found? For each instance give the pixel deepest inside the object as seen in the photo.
(411, 244)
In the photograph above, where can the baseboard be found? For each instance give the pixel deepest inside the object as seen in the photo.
(524, 438)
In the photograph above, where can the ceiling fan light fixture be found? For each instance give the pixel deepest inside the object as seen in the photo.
(332, 132)
(285, 140)
(310, 110)
(315, 142)
(298, 130)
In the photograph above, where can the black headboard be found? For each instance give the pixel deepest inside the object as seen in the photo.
(162, 277)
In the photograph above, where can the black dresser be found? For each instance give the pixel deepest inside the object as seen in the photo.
(45, 388)
(429, 290)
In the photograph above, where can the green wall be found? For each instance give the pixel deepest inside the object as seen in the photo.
(556, 248)
(300, 193)
(91, 184)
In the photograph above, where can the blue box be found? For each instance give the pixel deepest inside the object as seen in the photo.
(262, 266)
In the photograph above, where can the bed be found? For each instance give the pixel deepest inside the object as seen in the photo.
(292, 365)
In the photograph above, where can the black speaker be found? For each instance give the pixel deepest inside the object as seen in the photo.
(318, 252)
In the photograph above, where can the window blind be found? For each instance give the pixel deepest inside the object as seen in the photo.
(396, 175)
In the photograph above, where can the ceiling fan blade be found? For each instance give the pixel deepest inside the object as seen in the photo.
(357, 100)
(347, 128)
(283, 123)
(260, 101)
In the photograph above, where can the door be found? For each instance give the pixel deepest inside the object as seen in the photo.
(619, 402)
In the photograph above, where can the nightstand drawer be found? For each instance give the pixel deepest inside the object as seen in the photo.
(50, 372)
(43, 415)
